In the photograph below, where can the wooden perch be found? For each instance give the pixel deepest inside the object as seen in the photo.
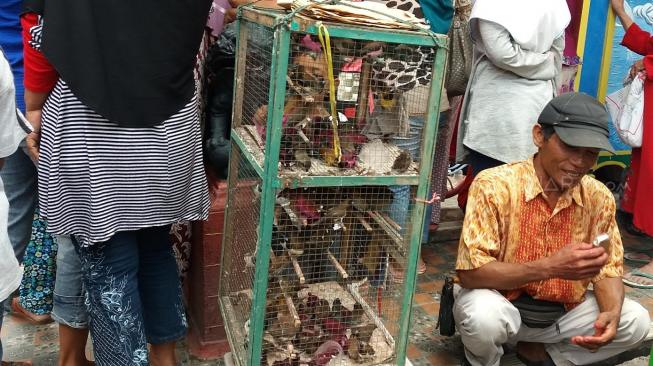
(353, 290)
(298, 269)
(336, 264)
(291, 305)
(390, 221)
(365, 224)
(397, 240)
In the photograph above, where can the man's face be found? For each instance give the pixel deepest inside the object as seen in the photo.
(564, 165)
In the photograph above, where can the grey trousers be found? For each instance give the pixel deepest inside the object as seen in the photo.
(486, 321)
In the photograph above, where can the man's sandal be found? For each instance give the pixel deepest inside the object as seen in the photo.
(638, 273)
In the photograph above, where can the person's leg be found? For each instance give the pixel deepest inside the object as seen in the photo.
(478, 163)
(161, 296)
(110, 277)
(68, 309)
(483, 335)
(19, 177)
(633, 328)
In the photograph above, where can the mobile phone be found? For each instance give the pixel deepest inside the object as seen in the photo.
(602, 240)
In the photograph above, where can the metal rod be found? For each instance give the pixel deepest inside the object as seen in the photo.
(336, 264)
(353, 290)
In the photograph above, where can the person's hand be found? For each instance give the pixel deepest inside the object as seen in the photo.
(576, 261)
(33, 140)
(617, 5)
(230, 15)
(635, 69)
(605, 329)
(2, 163)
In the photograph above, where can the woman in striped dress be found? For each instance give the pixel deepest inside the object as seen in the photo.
(120, 157)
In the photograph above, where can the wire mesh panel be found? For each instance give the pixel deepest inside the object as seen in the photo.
(330, 295)
(351, 107)
(239, 251)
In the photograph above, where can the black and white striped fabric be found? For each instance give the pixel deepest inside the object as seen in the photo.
(97, 178)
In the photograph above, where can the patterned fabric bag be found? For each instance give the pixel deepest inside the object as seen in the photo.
(459, 62)
(40, 266)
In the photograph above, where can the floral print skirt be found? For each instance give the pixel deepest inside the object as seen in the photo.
(40, 266)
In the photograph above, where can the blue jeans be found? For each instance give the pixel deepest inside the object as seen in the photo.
(133, 295)
(19, 178)
(69, 307)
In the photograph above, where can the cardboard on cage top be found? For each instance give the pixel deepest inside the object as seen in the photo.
(361, 13)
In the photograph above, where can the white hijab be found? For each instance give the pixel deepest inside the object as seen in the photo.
(533, 24)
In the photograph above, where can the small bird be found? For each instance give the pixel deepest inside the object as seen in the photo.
(403, 161)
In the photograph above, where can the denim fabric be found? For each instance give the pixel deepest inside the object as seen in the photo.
(19, 178)
(68, 302)
(133, 295)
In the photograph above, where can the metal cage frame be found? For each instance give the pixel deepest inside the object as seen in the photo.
(268, 172)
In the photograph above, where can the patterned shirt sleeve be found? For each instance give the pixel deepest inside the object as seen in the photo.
(606, 223)
(480, 241)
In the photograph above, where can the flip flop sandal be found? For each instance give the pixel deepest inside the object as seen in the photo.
(638, 273)
(638, 257)
(527, 362)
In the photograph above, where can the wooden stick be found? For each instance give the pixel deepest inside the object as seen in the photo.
(336, 264)
(390, 221)
(363, 91)
(298, 269)
(291, 305)
(365, 224)
(353, 290)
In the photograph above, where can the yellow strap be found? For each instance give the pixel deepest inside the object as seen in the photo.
(325, 40)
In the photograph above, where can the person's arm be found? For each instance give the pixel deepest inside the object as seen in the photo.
(40, 79)
(477, 266)
(504, 53)
(608, 288)
(620, 12)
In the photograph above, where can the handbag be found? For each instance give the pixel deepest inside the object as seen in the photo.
(538, 313)
(459, 59)
(626, 107)
(446, 323)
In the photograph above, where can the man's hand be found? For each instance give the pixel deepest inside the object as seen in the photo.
(33, 140)
(605, 329)
(576, 262)
(635, 69)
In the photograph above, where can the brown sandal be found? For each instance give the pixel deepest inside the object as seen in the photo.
(20, 311)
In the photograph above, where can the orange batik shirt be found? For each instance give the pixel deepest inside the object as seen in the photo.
(508, 220)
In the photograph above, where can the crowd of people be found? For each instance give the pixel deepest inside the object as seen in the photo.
(100, 128)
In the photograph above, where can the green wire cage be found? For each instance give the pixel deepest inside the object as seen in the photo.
(333, 137)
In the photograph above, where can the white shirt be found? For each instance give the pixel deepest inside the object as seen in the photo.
(508, 88)
(11, 134)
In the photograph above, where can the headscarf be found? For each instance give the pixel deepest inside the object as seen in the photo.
(130, 61)
(533, 24)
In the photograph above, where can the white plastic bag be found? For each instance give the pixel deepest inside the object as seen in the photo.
(626, 107)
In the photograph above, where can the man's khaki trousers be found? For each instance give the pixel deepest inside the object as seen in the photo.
(486, 321)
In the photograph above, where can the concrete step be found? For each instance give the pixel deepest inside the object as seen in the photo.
(448, 213)
(447, 231)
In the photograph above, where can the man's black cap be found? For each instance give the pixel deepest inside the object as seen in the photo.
(579, 120)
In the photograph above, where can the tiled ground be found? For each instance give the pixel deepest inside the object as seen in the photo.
(23, 341)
